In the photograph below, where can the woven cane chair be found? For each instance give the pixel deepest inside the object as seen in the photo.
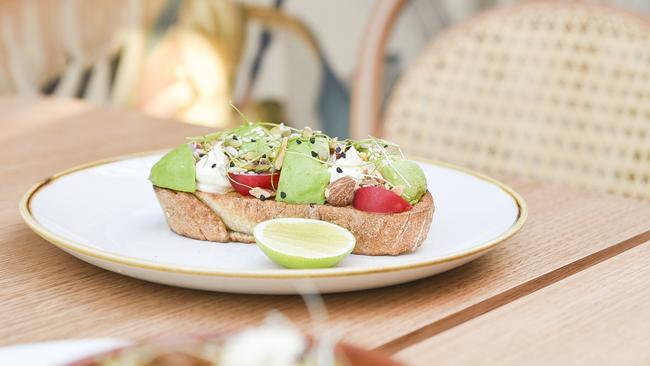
(558, 91)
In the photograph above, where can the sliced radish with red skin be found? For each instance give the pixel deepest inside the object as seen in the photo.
(379, 200)
(243, 182)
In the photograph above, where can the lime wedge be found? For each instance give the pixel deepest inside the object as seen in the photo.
(303, 243)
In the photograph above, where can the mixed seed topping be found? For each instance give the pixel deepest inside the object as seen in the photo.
(261, 148)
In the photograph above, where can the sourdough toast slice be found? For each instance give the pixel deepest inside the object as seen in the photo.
(232, 217)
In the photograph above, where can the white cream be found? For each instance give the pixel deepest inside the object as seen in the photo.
(212, 172)
(352, 165)
(267, 345)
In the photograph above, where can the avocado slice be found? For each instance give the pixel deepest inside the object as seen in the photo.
(397, 171)
(176, 170)
(303, 179)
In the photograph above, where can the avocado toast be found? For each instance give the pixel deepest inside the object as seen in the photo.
(217, 187)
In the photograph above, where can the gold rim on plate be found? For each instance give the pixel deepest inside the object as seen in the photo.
(84, 250)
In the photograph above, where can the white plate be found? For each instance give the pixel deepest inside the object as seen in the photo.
(105, 213)
(57, 353)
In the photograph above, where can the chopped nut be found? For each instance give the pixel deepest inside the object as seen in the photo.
(261, 193)
(371, 181)
(398, 190)
(341, 191)
(281, 151)
(324, 154)
(280, 131)
(231, 150)
(276, 132)
(333, 142)
(307, 132)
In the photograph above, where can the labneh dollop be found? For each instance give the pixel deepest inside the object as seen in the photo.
(349, 166)
(212, 171)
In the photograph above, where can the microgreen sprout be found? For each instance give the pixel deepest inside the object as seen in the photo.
(390, 162)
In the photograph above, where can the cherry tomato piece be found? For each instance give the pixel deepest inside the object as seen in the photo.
(380, 200)
(243, 182)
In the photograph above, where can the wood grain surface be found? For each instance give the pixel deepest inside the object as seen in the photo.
(47, 294)
(597, 317)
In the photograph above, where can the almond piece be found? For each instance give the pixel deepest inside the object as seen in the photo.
(261, 193)
(341, 191)
(398, 190)
(281, 152)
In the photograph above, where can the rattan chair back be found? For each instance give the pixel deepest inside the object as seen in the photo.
(558, 91)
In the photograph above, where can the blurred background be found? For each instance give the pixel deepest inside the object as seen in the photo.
(334, 65)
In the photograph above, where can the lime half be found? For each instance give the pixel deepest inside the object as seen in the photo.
(303, 243)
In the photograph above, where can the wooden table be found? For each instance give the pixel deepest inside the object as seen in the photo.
(571, 288)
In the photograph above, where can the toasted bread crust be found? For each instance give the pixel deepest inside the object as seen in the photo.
(232, 217)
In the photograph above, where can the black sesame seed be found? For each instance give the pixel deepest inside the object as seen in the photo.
(283, 195)
(232, 165)
(263, 156)
(314, 154)
(262, 197)
(234, 137)
(214, 166)
(339, 170)
(338, 149)
(343, 155)
(298, 142)
(312, 140)
(253, 140)
(385, 146)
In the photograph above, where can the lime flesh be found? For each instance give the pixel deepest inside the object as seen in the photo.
(303, 243)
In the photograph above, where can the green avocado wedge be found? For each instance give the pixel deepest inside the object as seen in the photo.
(303, 179)
(398, 171)
(175, 170)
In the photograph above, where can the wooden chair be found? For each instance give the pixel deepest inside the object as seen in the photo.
(558, 91)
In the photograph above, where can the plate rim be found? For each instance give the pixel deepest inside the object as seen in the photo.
(79, 248)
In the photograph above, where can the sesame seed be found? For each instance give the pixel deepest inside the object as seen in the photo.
(253, 140)
(343, 155)
(312, 140)
(338, 149)
(385, 146)
(232, 165)
(298, 142)
(283, 195)
(214, 166)
(234, 137)
(262, 197)
(314, 154)
(264, 156)
(339, 170)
